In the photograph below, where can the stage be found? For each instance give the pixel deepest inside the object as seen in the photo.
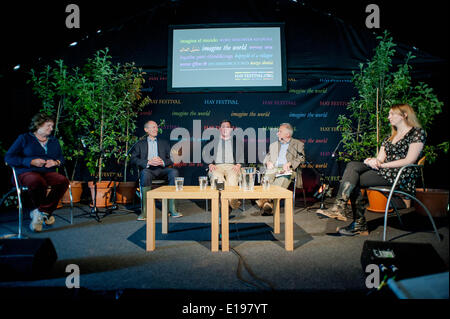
(113, 262)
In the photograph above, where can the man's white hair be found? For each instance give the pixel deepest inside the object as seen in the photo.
(289, 128)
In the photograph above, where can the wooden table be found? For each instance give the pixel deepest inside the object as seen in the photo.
(276, 193)
(188, 192)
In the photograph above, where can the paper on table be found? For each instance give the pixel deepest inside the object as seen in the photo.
(284, 173)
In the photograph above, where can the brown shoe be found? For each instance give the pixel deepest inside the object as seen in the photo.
(335, 212)
(235, 204)
(261, 202)
(268, 208)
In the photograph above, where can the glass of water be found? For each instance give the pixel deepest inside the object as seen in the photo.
(179, 181)
(265, 183)
(213, 182)
(203, 182)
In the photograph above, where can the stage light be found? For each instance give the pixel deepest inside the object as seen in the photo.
(17, 67)
(99, 31)
(73, 44)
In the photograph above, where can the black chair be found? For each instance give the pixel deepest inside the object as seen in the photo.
(296, 186)
(392, 191)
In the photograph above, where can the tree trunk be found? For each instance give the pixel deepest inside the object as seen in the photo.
(100, 161)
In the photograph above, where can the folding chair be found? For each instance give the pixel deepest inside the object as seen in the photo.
(393, 191)
(21, 190)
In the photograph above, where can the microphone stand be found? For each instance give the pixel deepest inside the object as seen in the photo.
(139, 178)
(115, 182)
(322, 184)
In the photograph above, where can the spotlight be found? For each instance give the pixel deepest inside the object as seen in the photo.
(99, 31)
(17, 67)
(73, 44)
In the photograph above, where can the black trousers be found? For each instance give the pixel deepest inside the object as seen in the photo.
(148, 174)
(361, 176)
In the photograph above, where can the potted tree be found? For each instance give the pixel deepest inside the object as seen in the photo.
(96, 113)
(436, 200)
(131, 80)
(366, 124)
(54, 87)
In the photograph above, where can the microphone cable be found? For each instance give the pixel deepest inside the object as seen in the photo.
(261, 283)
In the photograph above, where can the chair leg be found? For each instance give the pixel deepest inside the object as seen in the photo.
(304, 197)
(429, 216)
(398, 215)
(293, 197)
(71, 204)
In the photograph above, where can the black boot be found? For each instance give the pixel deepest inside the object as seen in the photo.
(337, 211)
(359, 224)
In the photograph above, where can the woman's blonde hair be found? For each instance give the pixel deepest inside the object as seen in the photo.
(408, 113)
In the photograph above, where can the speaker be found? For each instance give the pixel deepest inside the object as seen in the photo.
(411, 259)
(26, 259)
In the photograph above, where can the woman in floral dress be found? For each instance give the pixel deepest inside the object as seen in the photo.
(403, 147)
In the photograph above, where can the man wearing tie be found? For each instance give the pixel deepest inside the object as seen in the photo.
(152, 156)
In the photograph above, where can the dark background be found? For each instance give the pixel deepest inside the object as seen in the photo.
(34, 34)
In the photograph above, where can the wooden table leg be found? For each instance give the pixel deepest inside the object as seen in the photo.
(225, 226)
(215, 224)
(150, 225)
(276, 216)
(289, 224)
(165, 216)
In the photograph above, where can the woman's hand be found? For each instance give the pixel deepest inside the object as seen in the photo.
(38, 162)
(373, 163)
(51, 163)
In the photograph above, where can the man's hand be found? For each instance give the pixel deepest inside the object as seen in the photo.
(155, 161)
(237, 168)
(287, 167)
(38, 162)
(269, 164)
(212, 167)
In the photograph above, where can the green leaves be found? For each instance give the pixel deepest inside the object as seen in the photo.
(98, 102)
(369, 109)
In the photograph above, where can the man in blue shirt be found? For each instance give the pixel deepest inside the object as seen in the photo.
(283, 158)
(152, 156)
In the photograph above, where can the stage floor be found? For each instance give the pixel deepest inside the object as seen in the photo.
(112, 258)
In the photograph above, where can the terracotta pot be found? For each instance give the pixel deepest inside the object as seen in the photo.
(125, 192)
(436, 200)
(377, 202)
(77, 189)
(104, 193)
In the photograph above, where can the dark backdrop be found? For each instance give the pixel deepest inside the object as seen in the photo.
(325, 42)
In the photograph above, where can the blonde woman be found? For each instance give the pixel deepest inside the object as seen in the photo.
(403, 147)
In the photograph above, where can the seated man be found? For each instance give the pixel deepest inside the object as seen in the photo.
(225, 167)
(152, 156)
(284, 156)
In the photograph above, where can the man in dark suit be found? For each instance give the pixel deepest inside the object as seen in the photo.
(152, 156)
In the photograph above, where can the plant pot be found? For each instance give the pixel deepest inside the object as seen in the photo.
(377, 202)
(436, 200)
(125, 192)
(104, 193)
(77, 189)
